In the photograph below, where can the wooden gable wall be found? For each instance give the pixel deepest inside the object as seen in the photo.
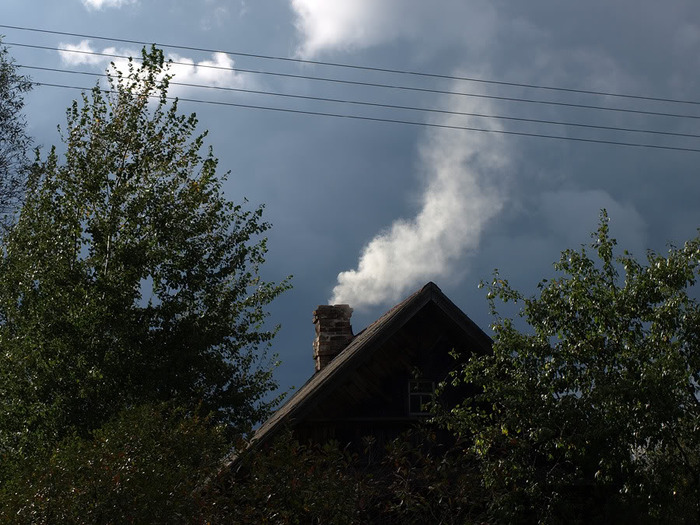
(373, 397)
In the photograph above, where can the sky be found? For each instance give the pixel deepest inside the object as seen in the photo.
(366, 211)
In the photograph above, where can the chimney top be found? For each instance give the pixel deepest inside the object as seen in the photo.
(333, 332)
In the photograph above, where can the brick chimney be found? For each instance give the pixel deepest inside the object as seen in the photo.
(333, 332)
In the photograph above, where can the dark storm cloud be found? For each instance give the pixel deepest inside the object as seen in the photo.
(332, 186)
(626, 47)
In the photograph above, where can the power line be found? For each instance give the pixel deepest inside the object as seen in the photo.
(379, 85)
(362, 68)
(396, 121)
(389, 106)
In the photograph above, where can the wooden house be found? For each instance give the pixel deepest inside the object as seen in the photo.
(377, 383)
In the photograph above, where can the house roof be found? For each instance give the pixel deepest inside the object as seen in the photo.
(363, 344)
(323, 382)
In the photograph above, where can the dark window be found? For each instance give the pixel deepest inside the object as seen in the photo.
(420, 394)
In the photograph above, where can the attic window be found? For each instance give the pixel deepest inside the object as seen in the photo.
(420, 394)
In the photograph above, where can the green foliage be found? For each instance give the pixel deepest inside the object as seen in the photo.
(592, 414)
(424, 479)
(141, 467)
(287, 483)
(414, 480)
(129, 279)
(14, 141)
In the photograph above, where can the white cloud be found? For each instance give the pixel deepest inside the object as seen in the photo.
(463, 192)
(244, 9)
(219, 71)
(100, 4)
(216, 14)
(360, 23)
(328, 26)
(80, 54)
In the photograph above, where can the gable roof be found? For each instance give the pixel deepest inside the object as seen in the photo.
(361, 346)
(323, 382)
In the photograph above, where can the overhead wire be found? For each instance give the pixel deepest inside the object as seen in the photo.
(358, 67)
(386, 106)
(391, 87)
(379, 85)
(398, 121)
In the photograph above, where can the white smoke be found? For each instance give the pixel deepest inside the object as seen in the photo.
(464, 170)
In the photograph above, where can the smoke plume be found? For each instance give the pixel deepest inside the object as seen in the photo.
(463, 172)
